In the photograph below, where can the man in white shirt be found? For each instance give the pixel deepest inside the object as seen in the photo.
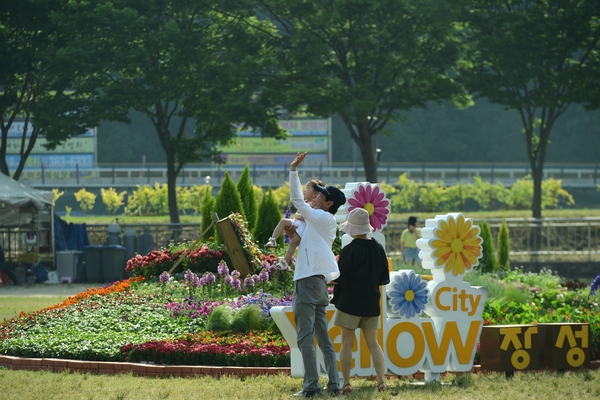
(315, 267)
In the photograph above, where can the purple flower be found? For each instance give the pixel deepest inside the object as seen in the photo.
(195, 280)
(263, 276)
(227, 280)
(271, 268)
(189, 275)
(203, 281)
(288, 214)
(210, 277)
(235, 273)
(164, 277)
(223, 268)
(248, 281)
(264, 300)
(594, 286)
(236, 284)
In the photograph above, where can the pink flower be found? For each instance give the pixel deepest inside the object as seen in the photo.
(371, 198)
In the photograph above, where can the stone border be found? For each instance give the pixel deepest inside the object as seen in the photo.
(158, 370)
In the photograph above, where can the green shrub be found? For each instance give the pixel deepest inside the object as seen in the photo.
(85, 199)
(498, 289)
(455, 197)
(228, 201)
(206, 215)
(148, 200)
(56, 195)
(407, 196)
(220, 319)
(269, 216)
(112, 200)
(503, 247)
(487, 262)
(553, 194)
(431, 196)
(281, 195)
(248, 197)
(486, 194)
(247, 319)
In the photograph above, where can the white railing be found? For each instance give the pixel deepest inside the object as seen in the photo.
(584, 176)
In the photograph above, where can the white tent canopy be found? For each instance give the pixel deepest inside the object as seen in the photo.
(14, 195)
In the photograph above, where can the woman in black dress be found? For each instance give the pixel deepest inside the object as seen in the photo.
(363, 269)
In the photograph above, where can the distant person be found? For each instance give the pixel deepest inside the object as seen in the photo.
(6, 269)
(408, 241)
(310, 193)
(363, 269)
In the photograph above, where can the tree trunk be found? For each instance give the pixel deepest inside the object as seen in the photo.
(361, 135)
(537, 175)
(172, 189)
(369, 161)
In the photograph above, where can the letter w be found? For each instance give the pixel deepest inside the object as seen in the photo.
(451, 334)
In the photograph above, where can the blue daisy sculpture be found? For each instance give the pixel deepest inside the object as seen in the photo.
(408, 294)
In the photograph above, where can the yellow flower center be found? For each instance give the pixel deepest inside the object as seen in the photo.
(456, 245)
(370, 208)
(409, 295)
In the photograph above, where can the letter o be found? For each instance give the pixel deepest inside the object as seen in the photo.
(575, 357)
(524, 363)
(392, 340)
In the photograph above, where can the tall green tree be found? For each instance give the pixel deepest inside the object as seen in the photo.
(194, 68)
(244, 187)
(207, 208)
(536, 57)
(48, 85)
(228, 201)
(503, 247)
(367, 60)
(269, 216)
(487, 262)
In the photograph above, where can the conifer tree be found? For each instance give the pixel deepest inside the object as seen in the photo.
(487, 262)
(269, 216)
(246, 191)
(207, 207)
(503, 247)
(228, 201)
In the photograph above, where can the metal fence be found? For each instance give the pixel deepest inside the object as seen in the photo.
(583, 176)
(556, 239)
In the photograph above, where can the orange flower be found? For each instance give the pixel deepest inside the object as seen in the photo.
(457, 244)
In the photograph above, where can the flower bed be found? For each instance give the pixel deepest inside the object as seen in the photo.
(227, 348)
(215, 318)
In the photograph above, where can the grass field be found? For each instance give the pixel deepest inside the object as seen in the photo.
(43, 385)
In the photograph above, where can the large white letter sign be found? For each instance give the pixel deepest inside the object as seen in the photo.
(443, 340)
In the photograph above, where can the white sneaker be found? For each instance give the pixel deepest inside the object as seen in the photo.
(271, 243)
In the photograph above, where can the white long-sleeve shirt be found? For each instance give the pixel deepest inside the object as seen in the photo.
(315, 256)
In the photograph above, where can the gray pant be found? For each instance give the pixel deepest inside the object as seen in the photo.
(309, 305)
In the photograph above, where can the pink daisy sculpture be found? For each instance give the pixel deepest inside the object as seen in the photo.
(371, 198)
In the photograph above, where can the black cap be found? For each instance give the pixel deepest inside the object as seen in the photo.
(333, 194)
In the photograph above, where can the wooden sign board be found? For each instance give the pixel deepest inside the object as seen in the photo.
(509, 348)
(533, 346)
(233, 245)
(565, 346)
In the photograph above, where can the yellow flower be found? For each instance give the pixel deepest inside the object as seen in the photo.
(458, 245)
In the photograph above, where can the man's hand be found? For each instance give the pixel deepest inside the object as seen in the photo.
(299, 158)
